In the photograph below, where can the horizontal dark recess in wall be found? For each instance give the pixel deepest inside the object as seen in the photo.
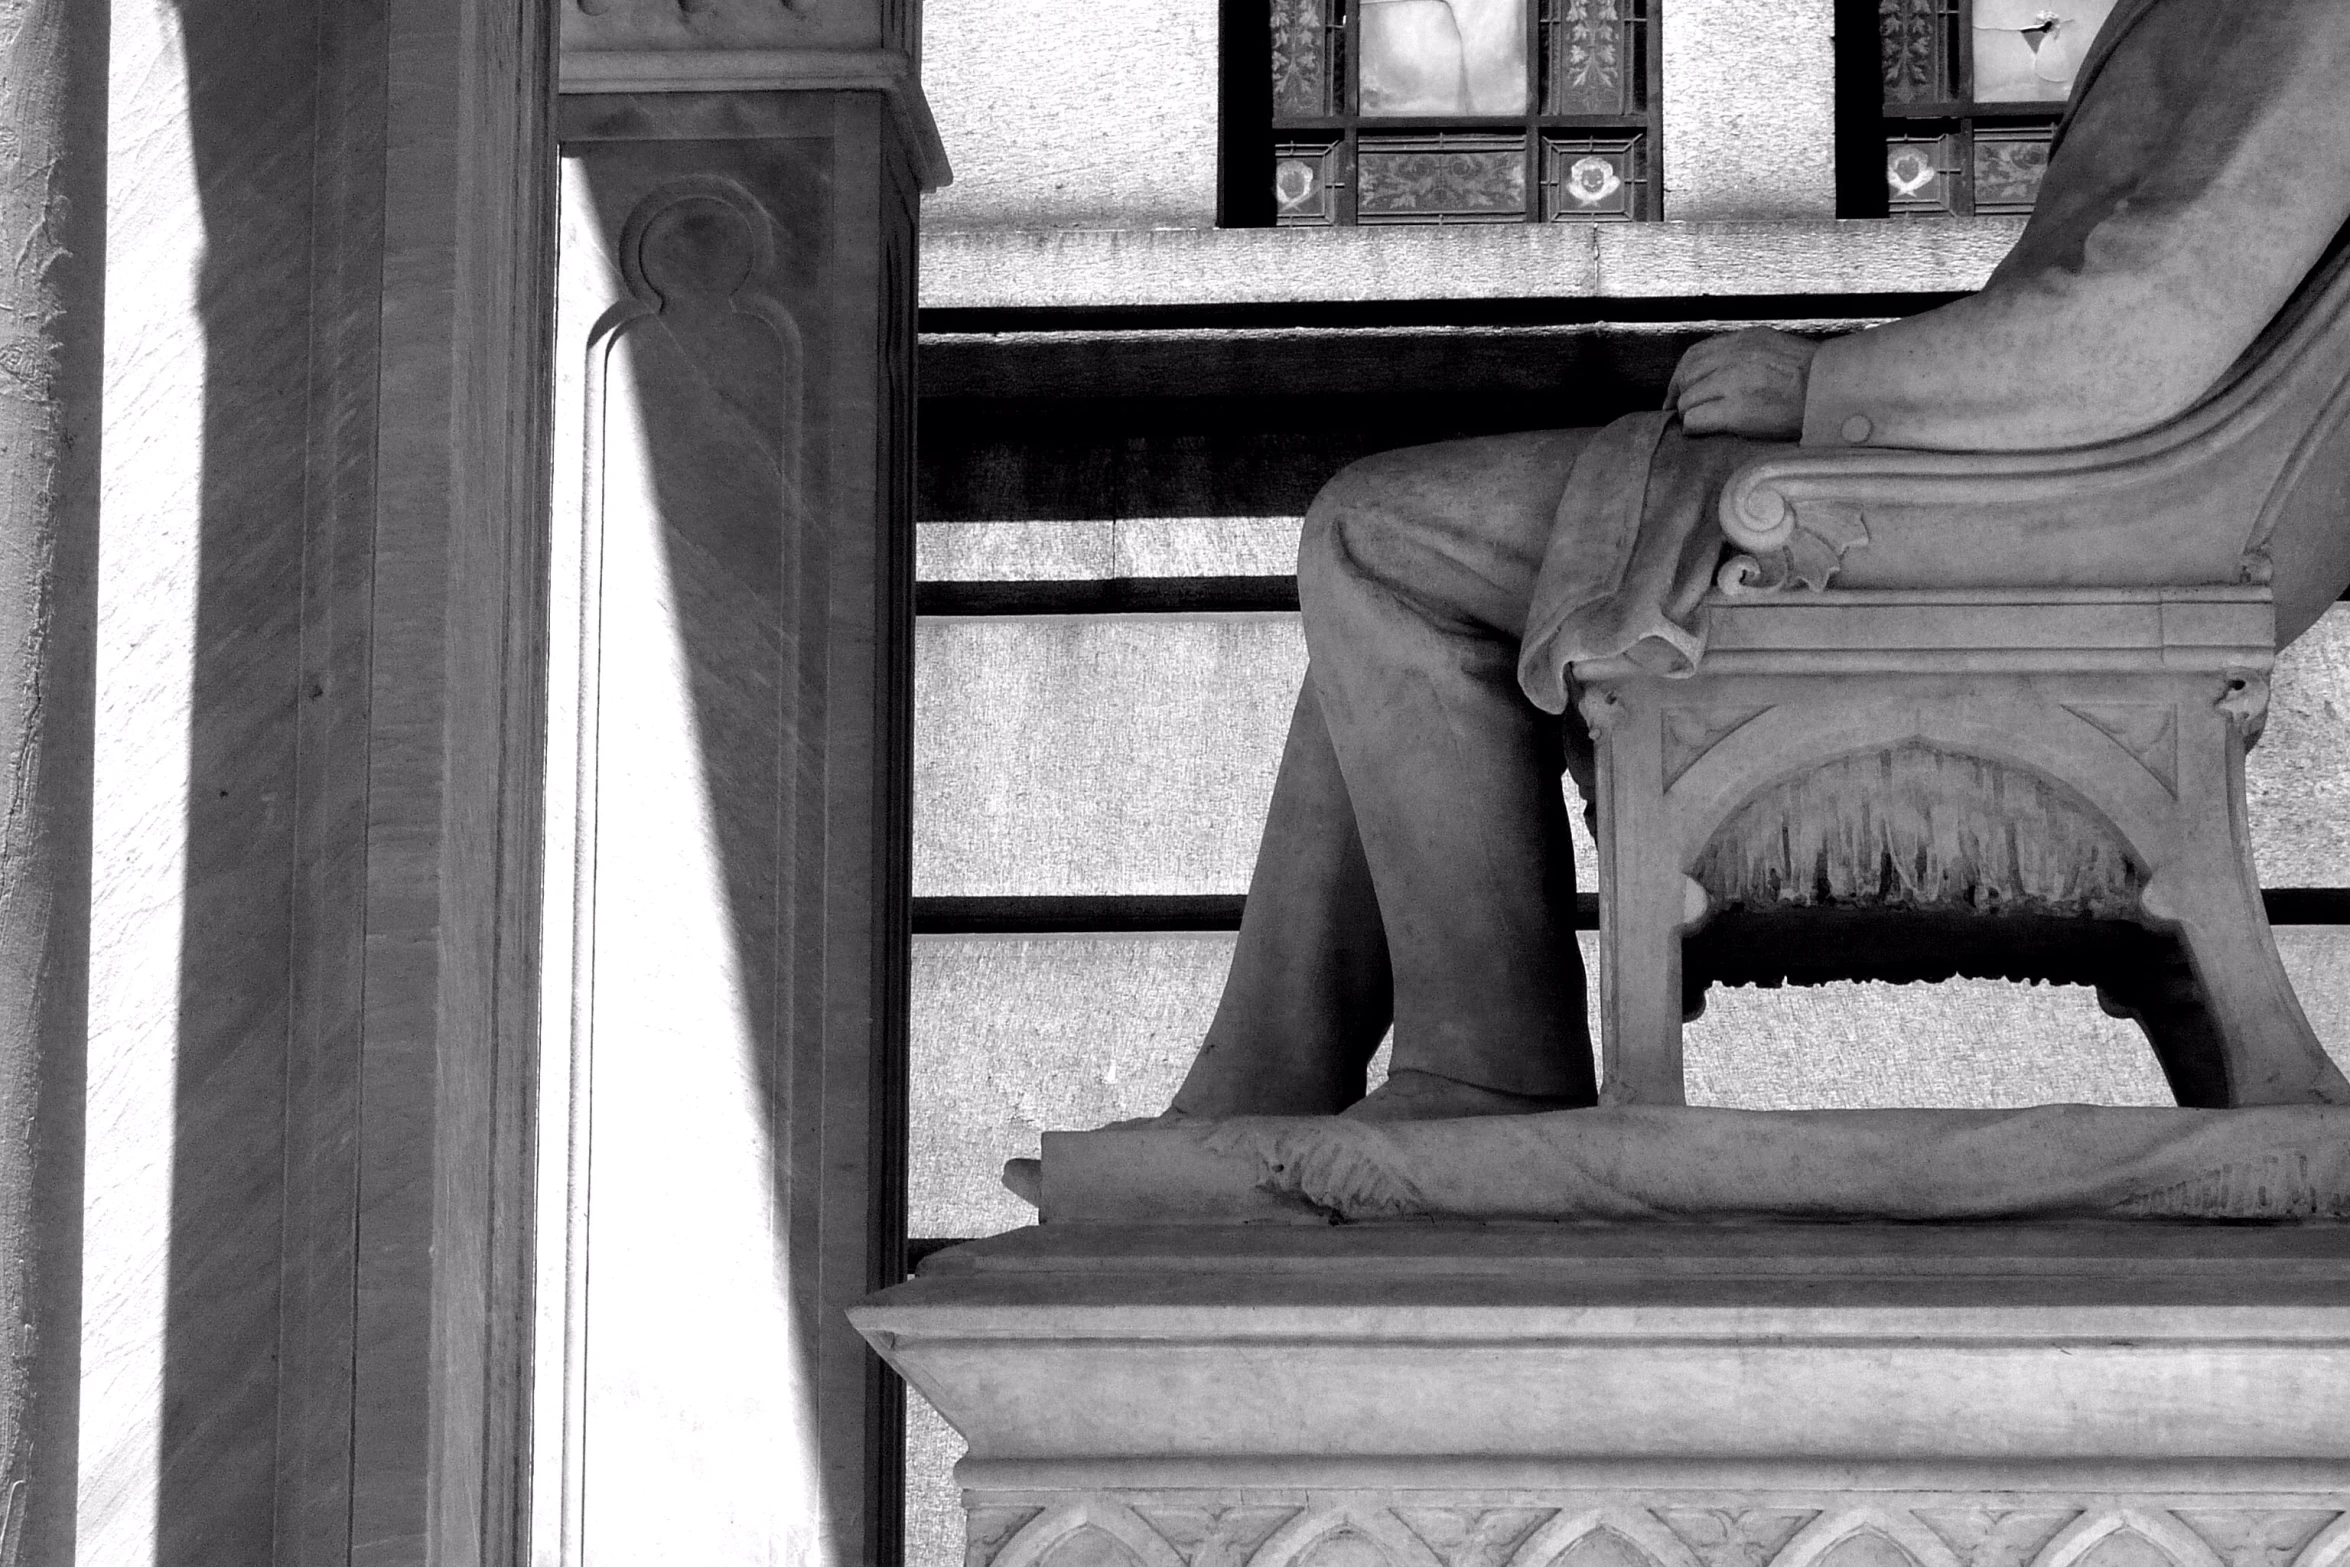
(1076, 916)
(1538, 361)
(1071, 459)
(1430, 312)
(1116, 596)
(1109, 596)
(988, 916)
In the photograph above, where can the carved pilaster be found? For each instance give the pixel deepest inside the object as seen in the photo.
(734, 559)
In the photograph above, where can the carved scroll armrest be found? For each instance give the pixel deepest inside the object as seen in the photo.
(2169, 507)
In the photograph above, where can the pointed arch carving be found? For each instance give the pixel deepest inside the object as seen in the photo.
(1637, 1528)
(1295, 1540)
(2182, 1545)
(1105, 1513)
(1901, 1530)
(655, 282)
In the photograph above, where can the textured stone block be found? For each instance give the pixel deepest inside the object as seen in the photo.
(1124, 547)
(1103, 755)
(1110, 755)
(1062, 116)
(1750, 109)
(2297, 780)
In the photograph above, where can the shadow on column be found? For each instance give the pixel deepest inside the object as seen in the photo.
(286, 120)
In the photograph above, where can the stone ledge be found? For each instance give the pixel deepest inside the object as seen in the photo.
(1128, 268)
(1358, 1356)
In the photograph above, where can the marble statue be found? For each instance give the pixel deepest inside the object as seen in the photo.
(1415, 867)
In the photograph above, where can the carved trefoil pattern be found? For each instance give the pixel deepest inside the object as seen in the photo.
(1943, 1530)
(2149, 731)
(1690, 732)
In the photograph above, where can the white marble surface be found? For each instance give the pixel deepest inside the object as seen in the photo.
(2297, 780)
(1095, 268)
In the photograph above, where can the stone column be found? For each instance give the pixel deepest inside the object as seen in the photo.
(329, 273)
(52, 236)
(728, 887)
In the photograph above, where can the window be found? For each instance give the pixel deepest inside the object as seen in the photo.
(1463, 111)
(1972, 93)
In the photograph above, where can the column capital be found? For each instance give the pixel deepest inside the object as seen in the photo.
(636, 46)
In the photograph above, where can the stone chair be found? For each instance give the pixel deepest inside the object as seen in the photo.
(1986, 714)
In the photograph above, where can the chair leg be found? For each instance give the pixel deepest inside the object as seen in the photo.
(2163, 999)
(2209, 892)
(1641, 1006)
(2270, 1053)
(1644, 907)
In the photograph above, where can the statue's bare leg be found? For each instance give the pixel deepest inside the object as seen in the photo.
(1416, 861)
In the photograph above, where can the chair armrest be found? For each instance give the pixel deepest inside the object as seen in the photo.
(2175, 506)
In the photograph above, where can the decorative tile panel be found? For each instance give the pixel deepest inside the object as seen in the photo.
(1303, 54)
(1600, 178)
(1463, 178)
(1916, 45)
(1304, 191)
(1589, 66)
(2009, 166)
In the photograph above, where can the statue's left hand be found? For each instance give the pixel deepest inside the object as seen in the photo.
(1744, 383)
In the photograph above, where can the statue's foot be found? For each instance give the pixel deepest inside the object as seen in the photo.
(1411, 1095)
(1024, 1178)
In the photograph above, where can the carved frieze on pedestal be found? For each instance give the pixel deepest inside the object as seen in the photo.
(1537, 1527)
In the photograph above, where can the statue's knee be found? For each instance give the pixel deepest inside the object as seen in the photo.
(1346, 527)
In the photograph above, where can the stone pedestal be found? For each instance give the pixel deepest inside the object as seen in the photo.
(1453, 1395)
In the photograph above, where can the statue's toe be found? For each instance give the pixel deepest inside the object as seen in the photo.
(1024, 1179)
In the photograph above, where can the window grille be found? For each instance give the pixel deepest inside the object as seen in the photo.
(1463, 111)
(1972, 93)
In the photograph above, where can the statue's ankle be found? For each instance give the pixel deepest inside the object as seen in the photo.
(1410, 1094)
